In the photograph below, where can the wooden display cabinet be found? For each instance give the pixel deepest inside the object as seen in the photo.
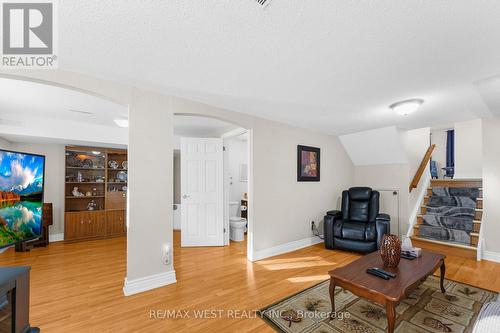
(98, 209)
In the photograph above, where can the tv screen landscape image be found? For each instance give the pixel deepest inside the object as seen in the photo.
(21, 196)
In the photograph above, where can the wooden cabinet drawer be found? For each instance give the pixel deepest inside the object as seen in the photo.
(97, 226)
(116, 223)
(73, 225)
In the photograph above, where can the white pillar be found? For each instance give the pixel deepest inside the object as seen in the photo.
(150, 183)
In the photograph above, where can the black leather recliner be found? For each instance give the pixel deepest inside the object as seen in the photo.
(358, 226)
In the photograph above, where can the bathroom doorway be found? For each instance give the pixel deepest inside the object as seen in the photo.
(234, 180)
(236, 185)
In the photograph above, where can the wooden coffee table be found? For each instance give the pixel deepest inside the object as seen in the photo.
(388, 293)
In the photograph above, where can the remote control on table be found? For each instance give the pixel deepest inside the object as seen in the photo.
(377, 273)
(389, 274)
(408, 256)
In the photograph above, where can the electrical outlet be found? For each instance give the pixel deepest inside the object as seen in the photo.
(166, 254)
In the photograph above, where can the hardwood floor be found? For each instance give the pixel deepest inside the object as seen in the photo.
(78, 287)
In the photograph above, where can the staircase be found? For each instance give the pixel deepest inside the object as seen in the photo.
(450, 217)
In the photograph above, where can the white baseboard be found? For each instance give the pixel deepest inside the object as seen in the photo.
(491, 256)
(284, 248)
(56, 237)
(146, 283)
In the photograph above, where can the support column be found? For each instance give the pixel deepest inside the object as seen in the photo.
(150, 194)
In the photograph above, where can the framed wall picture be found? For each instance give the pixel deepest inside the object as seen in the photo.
(308, 164)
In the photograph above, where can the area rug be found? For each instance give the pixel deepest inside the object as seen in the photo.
(425, 310)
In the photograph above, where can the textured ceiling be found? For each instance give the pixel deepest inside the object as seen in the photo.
(332, 66)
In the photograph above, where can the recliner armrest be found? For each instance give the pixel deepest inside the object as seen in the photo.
(335, 213)
(383, 217)
(328, 226)
(383, 225)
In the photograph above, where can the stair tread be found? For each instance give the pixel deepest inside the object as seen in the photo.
(473, 221)
(476, 209)
(430, 188)
(450, 244)
(428, 196)
(472, 233)
(453, 236)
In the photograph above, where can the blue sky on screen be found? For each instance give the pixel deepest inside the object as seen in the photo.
(21, 173)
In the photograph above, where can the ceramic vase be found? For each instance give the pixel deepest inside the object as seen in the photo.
(390, 250)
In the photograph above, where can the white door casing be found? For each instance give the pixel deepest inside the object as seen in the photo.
(202, 192)
(389, 204)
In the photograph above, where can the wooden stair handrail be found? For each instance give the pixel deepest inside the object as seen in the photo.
(421, 168)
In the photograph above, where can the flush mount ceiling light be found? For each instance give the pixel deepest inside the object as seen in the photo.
(406, 107)
(121, 122)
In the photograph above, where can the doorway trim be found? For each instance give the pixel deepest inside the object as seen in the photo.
(231, 134)
(397, 193)
(250, 216)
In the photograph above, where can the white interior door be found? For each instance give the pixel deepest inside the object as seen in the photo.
(389, 204)
(202, 192)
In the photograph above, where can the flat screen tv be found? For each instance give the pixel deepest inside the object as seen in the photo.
(21, 196)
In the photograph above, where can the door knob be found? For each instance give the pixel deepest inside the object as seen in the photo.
(185, 196)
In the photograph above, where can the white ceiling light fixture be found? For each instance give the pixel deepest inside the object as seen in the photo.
(121, 122)
(407, 107)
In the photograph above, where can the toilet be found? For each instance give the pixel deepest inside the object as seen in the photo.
(237, 225)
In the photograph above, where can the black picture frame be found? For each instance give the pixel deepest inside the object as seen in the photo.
(300, 175)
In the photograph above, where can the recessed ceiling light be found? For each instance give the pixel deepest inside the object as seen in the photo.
(121, 122)
(406, 107)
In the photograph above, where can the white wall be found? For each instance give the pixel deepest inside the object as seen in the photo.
(468, 149)
(283, 207)
(438, 137)
(150, 183)
(387, 177)
(491, 186)
(54, 178)
(237, 154)
(375, 147)
(416, 143)
(4, 144)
